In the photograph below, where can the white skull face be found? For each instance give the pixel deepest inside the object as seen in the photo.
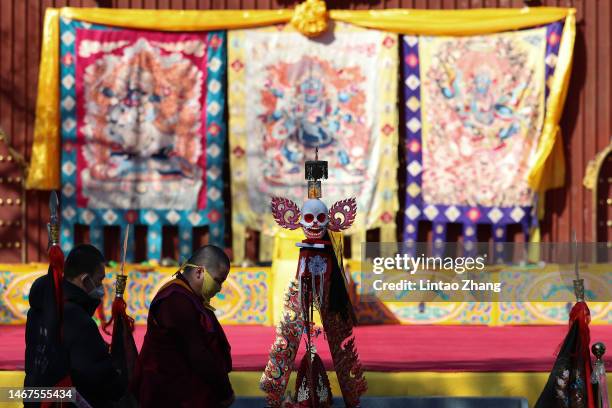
(315, 218)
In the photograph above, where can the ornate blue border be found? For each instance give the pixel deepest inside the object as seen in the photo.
(212, 216)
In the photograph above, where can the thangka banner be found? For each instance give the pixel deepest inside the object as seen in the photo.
(290, 95)
(475, 108)
(142, 132)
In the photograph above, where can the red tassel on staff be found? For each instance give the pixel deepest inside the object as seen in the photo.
(569, 383)
(56, 260)
(581, 315)
(119, 307)
(123, 347)
(56, 269)
(56, 275)
(119, 312)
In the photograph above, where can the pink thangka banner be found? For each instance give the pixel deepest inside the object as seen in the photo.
(142, 119)
(143, 133)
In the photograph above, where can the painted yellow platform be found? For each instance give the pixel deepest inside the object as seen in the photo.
(414, 384)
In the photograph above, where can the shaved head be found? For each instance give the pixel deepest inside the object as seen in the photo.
(213, 259)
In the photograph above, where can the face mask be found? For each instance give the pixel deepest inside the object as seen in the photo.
(210, 287)
(97, 292)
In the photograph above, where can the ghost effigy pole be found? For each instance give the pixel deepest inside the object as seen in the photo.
(123, 347)
(319, 285)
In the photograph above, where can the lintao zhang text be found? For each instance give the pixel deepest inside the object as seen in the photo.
(429, 285)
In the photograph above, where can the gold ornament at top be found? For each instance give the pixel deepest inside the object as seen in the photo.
(310, 17)
(120, 284)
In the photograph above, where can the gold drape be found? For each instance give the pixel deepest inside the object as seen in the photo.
(547, 168)
(451, 22)
(44, 173)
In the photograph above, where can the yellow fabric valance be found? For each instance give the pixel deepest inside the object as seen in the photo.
(547, 169)
(403, 21)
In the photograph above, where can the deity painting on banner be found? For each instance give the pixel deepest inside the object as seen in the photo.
(475, 108)
(142, 131)
(290, 95)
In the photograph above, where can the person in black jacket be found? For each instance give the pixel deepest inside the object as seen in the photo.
(83, 353)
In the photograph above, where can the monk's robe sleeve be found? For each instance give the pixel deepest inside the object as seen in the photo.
(178, 314)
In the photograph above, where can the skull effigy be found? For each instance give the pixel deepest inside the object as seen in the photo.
(319, 264)
(315, 219)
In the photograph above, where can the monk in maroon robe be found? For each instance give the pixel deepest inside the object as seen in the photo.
(185, 358)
